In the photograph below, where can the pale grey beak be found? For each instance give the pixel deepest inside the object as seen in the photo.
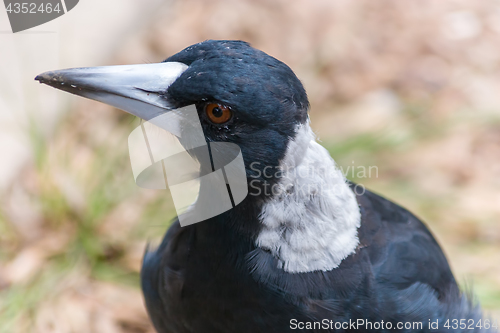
(137, 89)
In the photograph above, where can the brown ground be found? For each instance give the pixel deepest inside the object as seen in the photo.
(410, 87)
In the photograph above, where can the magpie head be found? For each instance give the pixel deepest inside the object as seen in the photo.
(242, 95)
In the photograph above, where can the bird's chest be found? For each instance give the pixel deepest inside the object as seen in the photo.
(212, 290)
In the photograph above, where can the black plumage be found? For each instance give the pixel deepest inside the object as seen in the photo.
(209, 277)
(213, 277)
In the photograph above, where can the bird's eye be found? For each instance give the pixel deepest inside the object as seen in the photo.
(217, 113)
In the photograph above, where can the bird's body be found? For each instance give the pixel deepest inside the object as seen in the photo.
(305, 249)
(209, 277)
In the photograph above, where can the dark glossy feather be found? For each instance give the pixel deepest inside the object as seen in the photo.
(209, 277)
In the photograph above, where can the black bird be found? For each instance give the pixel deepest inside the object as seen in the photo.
(306, 250)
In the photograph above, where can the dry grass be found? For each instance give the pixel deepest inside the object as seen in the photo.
(409, 87)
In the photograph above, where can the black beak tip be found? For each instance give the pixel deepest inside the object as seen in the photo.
(45, 77)
(50, 78)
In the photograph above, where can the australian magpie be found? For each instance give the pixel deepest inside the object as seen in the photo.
(304, 250)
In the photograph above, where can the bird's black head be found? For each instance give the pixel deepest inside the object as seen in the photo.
(258, 99)
(242, 95)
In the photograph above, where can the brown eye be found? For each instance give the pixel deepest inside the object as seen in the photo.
(217, 113)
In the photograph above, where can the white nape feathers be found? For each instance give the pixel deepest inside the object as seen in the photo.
(310, 223)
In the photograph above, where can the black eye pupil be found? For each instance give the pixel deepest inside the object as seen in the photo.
(217, 112)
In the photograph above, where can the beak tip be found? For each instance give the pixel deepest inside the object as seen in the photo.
(49, 78)
(43, 78)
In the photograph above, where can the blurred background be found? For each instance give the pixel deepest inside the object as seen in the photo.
(410, 87)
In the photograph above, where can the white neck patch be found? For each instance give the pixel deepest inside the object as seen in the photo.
(311, 224)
